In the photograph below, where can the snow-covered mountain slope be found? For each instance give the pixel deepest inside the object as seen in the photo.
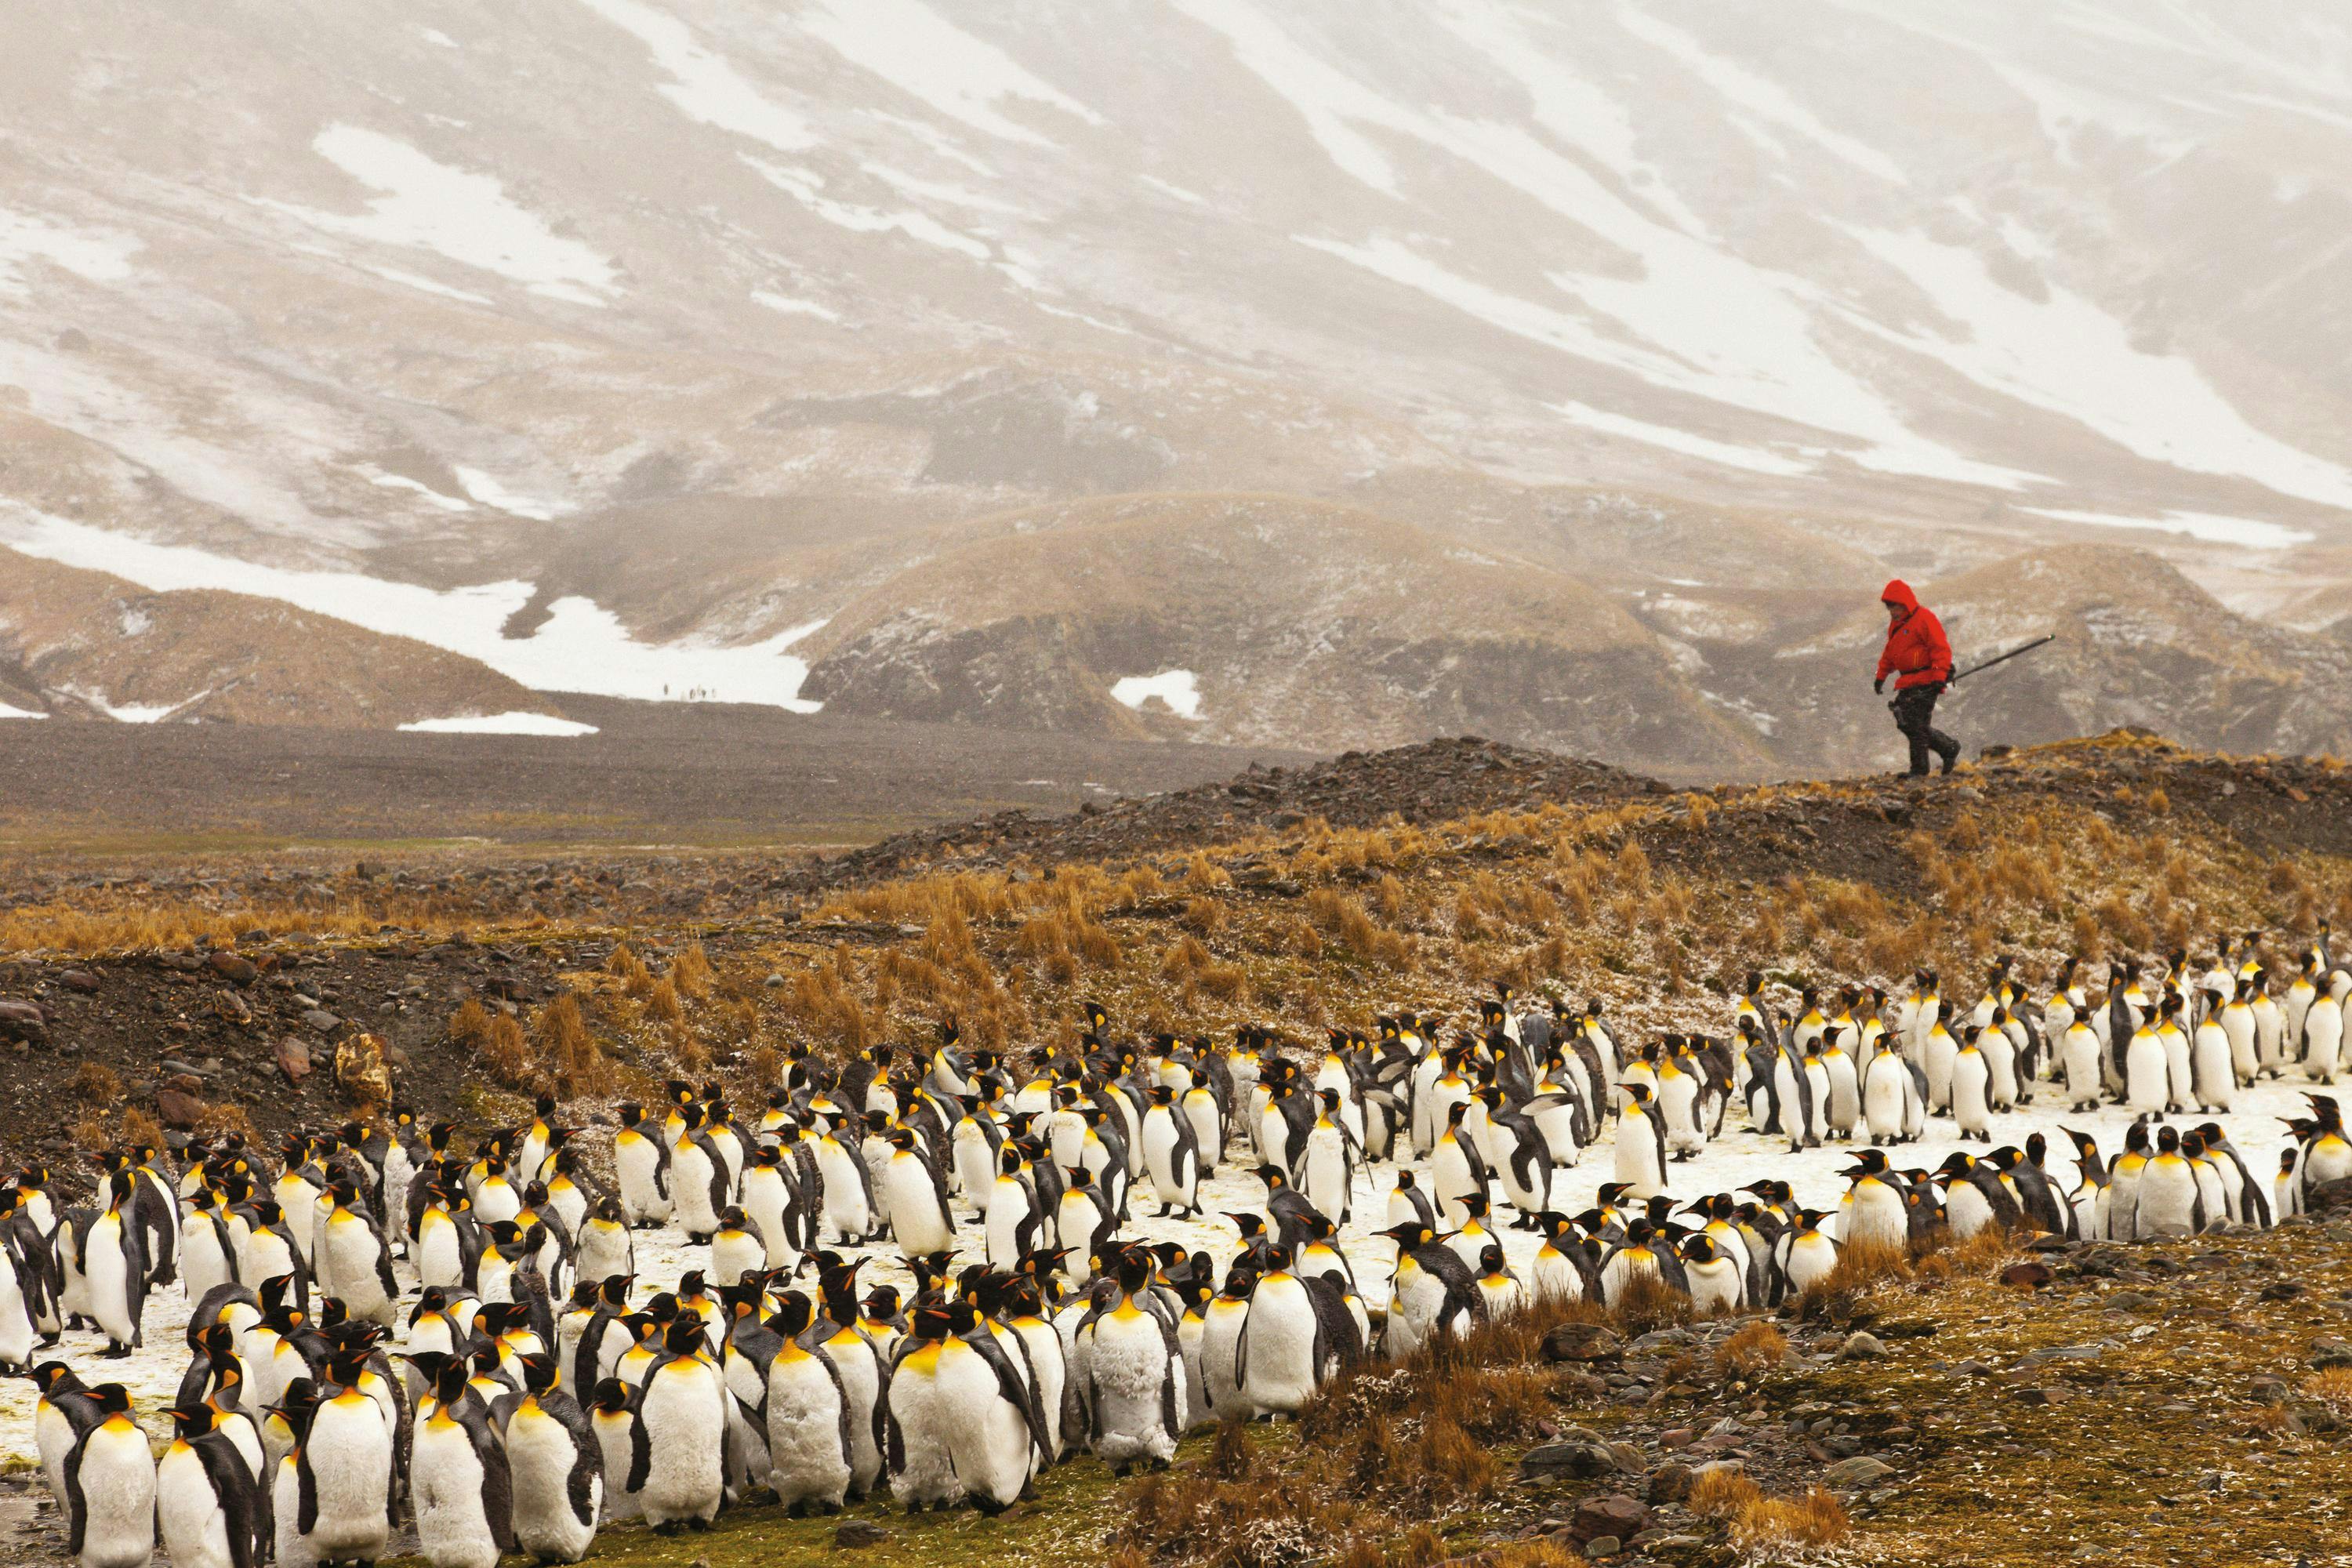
(703, 322)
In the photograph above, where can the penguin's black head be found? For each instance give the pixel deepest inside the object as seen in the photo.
(1490, 1260)
(691, 1285)
(119, 1186)
(1699, 1248)
(191, 1421)
(2168, 1140)
(1277, 1258)
(882, 1301)
(684, 1335)
(1081, 1180)
(611, 1396)
(53, 1376)
(1410, 1235)
(793, 1315)
(931, 1323)
(538, 1373)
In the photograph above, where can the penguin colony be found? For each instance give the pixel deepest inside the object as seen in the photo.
(381, 1328)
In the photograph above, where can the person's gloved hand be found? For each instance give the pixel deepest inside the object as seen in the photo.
(1879, 686)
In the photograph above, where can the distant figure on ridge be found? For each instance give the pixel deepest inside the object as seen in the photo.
(1920, 656)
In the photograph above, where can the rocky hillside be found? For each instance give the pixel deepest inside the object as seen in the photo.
(81, 644)
(1707, 301)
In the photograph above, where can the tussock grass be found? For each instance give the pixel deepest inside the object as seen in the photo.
(1756, 1347)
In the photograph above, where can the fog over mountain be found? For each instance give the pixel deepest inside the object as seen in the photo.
(1308, 373)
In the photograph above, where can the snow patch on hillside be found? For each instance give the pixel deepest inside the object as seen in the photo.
(1766, 99)
(1178, 690)
(1753, 458)
(2205, 525)
(95, 258)
(486, 490)
(501, 724)
(920, 52)
(706, 87)
(8, 713)
(581, 646)
(462, 216)
(2064, 354)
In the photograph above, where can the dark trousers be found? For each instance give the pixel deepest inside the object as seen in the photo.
(1915, 706)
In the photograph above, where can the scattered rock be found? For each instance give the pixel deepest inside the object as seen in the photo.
(1670, 1482)
(1858, 1472)
(1599, 1518)
(1603, 1546)
(1566, 1461)
(293, 1058)
(236, 971)
(81, 980)
(320, 1020)
(177, 1109)
(2327, 1352)
(2026, 1276)
(1860, 1346)
(1583, 1342)
(858, 1532)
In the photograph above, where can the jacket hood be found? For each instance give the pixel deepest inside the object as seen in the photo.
(1898, 593)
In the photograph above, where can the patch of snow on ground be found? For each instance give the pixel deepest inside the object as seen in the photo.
(581, 646)
(8, 713)
(1331, 103)
(95, 258)
(2205, 525)
(918, 50)
(127, 712)
(791, 307)
(1188, 198)
(1178, 688)
(486, 488)
(1767, 100)
(1753, 458)
(803, 185)
(501, 724)
(465, 216)
(2064, 354)
(706, 86)
(436, 36)
(402, 482)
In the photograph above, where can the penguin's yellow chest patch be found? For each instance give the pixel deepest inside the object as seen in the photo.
(923, 1360)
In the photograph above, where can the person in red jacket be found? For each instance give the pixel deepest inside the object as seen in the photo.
(1919, 657)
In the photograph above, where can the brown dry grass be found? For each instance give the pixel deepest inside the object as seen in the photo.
(1756, 1347)
(96, 1084)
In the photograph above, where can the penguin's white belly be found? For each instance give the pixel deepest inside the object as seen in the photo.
(690, 1177)
(1126, 1371)
(805, 1452)
(350, 1452)
(1326, 1177)
(1220, 1332)
(446, 1487)
(845, 1192)
(1882, 1097)
(1878, 1217)
(1970, 1109)
(613, 1442)
(686, 1421)
(188, 1513)
(1967, 1210)
(1279, 1370)
(118, 1487)
(987, 1434)
(1715, 1285)
(2146, 1076)
(2168, 1198)
(1810, 1258)
(294, 1549)
(861, 1383)
(914, 1204)
(637, 1162)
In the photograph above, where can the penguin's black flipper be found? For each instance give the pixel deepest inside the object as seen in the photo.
(1010, 1382)
(306, 1511)
(225, 1467)
(77, 1505)
(641, 1448)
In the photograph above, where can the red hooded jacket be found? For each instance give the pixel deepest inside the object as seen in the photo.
(1915, 644)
